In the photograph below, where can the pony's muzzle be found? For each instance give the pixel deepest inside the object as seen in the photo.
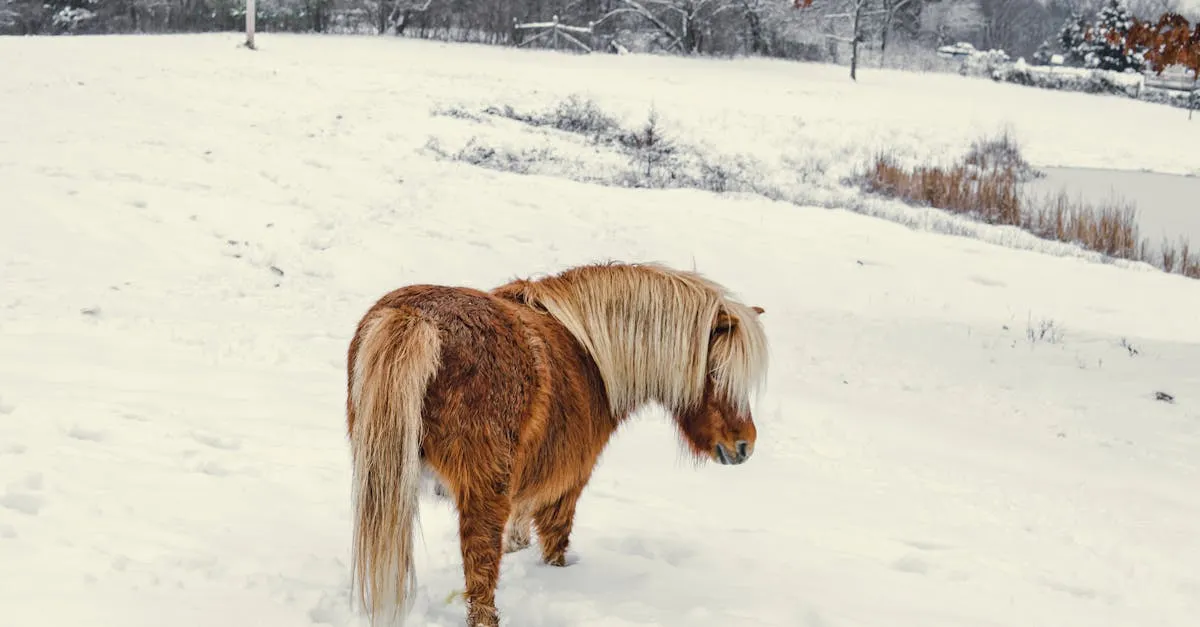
(727, 457)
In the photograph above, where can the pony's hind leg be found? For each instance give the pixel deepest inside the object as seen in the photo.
(433, 485)
(481, 535)
(554, 522)
(518, 530)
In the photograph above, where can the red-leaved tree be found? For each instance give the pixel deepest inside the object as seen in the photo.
(1170, 41)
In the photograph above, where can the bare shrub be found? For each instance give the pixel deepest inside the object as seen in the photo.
(500, 158)
(1000, 152)
(1044, 330)
(1189, 264)
(655, 160)
(575, 114)
(1169, 256)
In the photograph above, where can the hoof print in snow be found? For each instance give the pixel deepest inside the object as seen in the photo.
(911, 564)
(33, 481)
(28, 504)
(330, 610)
(5, 408)
(7, 532)
(87, 435)
(225, 444)
(276, 270)
(94, 312)
(1164, 397)
(212, 469)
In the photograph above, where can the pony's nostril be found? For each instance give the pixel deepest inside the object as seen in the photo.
(741, 449)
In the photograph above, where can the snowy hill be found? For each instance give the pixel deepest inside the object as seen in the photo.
(955, 433)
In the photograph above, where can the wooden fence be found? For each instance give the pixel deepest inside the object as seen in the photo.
(1174, 79)
(555, 34)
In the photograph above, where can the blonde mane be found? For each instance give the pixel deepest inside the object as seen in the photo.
(648, 328)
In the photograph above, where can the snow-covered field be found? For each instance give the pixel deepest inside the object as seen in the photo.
(954, 433)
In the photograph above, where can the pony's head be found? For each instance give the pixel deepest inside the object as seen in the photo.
(721, 426)
(666, 336)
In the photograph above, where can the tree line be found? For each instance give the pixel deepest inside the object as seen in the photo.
(817, 30)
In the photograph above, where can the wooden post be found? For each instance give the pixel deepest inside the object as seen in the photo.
(251, 9)
(1194, 97)
(555, 27)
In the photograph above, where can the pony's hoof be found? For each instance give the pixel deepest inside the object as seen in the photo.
(482, 617)
(561, 560)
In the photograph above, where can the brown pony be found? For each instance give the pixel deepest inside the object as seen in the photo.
(508, 398)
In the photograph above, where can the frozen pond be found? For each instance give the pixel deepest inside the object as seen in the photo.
(1167, 204)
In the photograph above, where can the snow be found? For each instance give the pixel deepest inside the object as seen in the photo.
(954, 432)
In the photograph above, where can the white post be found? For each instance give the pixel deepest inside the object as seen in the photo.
(250, 11)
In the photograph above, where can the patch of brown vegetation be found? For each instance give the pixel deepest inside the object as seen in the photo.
(985, 185)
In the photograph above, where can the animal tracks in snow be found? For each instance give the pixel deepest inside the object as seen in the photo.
(911, 564)
(659, 549)
(201, 462)
(24, 496)
(217, 442)
(25, 503)
(87, 434)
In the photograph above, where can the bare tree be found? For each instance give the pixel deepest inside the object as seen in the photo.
(954, 20)
(856, 13)
(395, 15)
(682, 23)
(890, 8)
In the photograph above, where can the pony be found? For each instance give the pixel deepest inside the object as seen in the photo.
(506, 398)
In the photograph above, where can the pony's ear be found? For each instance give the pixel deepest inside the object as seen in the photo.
(725, 322)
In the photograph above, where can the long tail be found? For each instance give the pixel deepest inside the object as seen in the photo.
(395, 355)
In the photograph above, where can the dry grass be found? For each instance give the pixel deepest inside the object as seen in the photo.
(985, 185)
(1109, 228)
(988, 195)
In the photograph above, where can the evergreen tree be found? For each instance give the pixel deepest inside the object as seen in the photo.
(1106, 42)
(1072, 40)
(1042, 56)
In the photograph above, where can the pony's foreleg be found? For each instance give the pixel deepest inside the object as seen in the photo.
(554, 522)
(481, 533)
(518, 532)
